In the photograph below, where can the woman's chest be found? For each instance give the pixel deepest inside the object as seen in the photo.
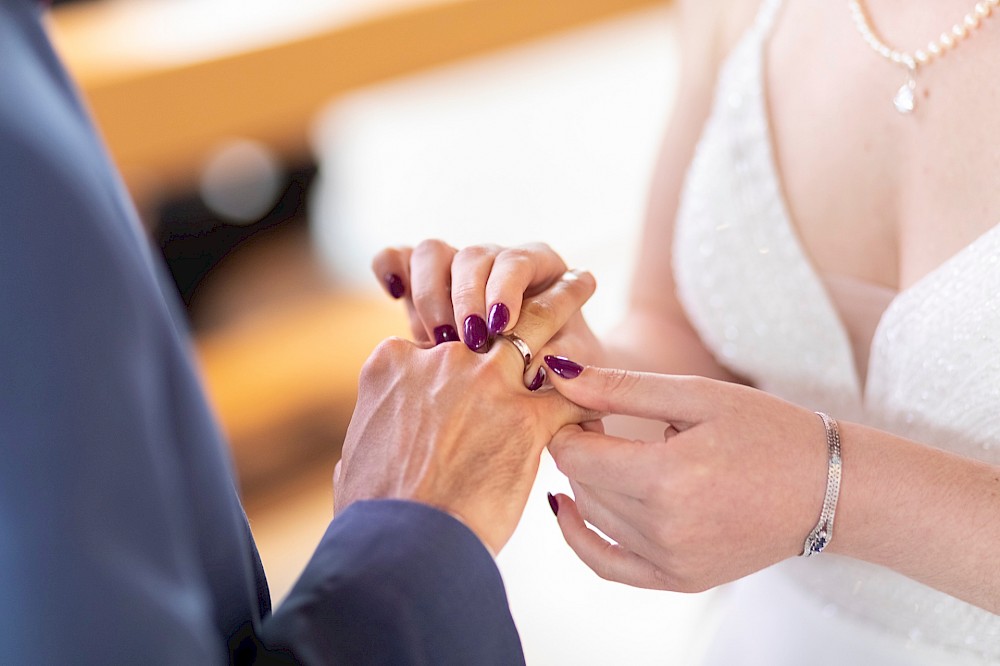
(877, 195)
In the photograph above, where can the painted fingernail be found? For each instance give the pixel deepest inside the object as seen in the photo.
(498, 318)
(564, 367)
(476, 334)
(553, 504)
(395, 284)
(537, 382)
(446, 333)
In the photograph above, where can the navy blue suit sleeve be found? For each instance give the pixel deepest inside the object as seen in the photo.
(396, 582)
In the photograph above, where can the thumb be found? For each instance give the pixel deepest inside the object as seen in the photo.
(672, 398)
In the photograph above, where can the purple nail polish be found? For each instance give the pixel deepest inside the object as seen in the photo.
(476, 334)
(446, 333)
(564, 367)
(553, 504)
(498, 318)
(395, 284)
(537, 382)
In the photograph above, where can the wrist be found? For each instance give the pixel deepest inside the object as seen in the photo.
(859, 512)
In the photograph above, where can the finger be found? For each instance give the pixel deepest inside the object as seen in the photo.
(602, 461)
(392, 268)
(609, 561)
(614, 515)
(430, 285)
(417, 328)
(516, 272)
(681, 400)
(537, 380)
(542, 316)
(555, 412)
(469, 271)
(552, 347)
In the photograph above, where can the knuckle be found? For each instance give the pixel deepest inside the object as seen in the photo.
(465, 291)
(720, 393)
(563, 458)
(504, 365)
(605, 562)
(581, 281)
(424, 293)
(452, 353)
(695, 586)
(540, 248)
(618, 381)
(383, 358)
(536, 247)
(663, 580)
(430, 246)
(700, 385)
(602, 569)
(421, 295)
(455, 360)
(519, 259)
(656, 487)
(571, 293)
(385, 257)
(542, 310)
(492, 370)
(519, 253)
(665, 536)
(476, 252)
(686, 577)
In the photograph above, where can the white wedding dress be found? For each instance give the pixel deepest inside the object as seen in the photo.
(933, 376)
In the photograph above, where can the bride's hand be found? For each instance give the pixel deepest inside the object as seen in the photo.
(476, 293)
(735, 485)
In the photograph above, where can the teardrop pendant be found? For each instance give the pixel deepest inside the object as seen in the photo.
(905, 99)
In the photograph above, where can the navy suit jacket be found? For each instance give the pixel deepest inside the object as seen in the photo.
(122, 537)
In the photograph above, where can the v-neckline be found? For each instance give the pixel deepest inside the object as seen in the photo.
(861, 388)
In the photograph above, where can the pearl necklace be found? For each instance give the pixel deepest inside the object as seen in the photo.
(905, 98)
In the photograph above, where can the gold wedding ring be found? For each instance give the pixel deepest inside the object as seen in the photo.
(521, 346)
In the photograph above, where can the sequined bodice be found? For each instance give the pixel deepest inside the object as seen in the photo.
(758, 303)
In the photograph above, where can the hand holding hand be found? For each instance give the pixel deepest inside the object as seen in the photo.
(735, 485)
(479, 292)
(457, 430)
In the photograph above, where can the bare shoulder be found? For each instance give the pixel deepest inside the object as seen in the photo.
(710, 28)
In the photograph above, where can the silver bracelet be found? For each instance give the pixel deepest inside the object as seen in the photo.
(823, 532)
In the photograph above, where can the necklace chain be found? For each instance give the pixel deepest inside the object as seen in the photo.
(905, 98)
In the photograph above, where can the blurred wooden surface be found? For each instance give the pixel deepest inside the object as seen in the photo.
(164, 102)
(309, 354)
(284, 384)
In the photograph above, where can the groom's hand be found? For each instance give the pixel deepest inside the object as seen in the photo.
(455, 429)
